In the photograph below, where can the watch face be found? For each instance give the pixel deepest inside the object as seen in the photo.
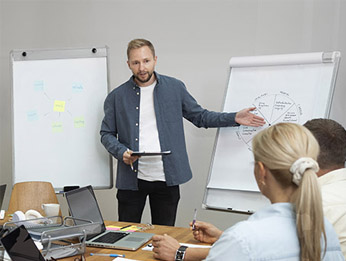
(179, 256)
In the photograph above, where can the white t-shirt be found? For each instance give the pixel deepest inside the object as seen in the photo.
(149, 168)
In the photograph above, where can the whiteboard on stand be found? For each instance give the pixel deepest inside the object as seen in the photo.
(57, 107)
(283, 88)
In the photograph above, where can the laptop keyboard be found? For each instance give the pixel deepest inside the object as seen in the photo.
(110, 237)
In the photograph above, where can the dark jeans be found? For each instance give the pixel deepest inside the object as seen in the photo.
(162, 198)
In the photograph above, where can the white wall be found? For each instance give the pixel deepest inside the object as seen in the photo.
(194, 40)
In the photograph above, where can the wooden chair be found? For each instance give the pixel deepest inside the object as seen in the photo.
(31, 195)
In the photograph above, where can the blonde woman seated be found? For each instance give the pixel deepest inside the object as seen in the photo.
(292, 227)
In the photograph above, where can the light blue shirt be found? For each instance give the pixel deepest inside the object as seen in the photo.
(269, 234)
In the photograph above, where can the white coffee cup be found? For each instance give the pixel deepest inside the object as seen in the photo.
(51, 209)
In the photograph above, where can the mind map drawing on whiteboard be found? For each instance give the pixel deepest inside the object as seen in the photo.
(274, 108)
(56, 107)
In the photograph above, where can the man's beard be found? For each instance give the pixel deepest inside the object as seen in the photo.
(145, 80)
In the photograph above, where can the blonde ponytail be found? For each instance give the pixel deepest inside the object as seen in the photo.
(287, 145)
(309, 217)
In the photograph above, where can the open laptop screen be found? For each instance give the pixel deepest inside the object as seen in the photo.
(2, 193)
(83, 204)
(20, 246)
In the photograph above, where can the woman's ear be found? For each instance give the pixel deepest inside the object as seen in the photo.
(261, 173)
(261, 169)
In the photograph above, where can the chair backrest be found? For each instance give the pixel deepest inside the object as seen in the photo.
(31, 195)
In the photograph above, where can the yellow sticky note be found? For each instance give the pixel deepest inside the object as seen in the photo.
(59, 106)
(79, 122)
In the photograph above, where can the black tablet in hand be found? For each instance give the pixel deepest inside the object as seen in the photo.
(144, 153)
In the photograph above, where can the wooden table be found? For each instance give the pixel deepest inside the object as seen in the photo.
(183, 235)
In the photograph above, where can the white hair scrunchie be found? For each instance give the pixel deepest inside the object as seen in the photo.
(300, 165)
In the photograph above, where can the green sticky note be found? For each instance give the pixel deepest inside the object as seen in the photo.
(57, 127)
(79, 122)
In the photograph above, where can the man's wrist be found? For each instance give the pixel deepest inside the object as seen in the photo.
(180, 254)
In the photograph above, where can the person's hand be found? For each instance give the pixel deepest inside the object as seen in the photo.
(128, 159)
(206, 232)
(165, 247)
(245, 117)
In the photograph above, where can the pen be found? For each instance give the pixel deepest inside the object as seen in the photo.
(194, 219)
(111, 255)
(125, 227)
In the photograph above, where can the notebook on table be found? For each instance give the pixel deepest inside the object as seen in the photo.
(83, 204)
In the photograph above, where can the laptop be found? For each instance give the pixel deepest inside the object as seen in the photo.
(2, 212)
(83, 204)
(20, 246)
(2, 193)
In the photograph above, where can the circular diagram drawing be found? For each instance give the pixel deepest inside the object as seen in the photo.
(274, 108)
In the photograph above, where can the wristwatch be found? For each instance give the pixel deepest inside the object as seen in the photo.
(179, 256)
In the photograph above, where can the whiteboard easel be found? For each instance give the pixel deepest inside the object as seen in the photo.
(57, 106)
(283, 88)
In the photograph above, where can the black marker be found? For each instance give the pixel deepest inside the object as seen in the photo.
(125, 227)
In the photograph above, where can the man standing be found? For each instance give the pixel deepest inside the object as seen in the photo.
(331, 137)
(146, 113)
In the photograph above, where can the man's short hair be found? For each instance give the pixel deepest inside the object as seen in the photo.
(331, 137)
(138, 43)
